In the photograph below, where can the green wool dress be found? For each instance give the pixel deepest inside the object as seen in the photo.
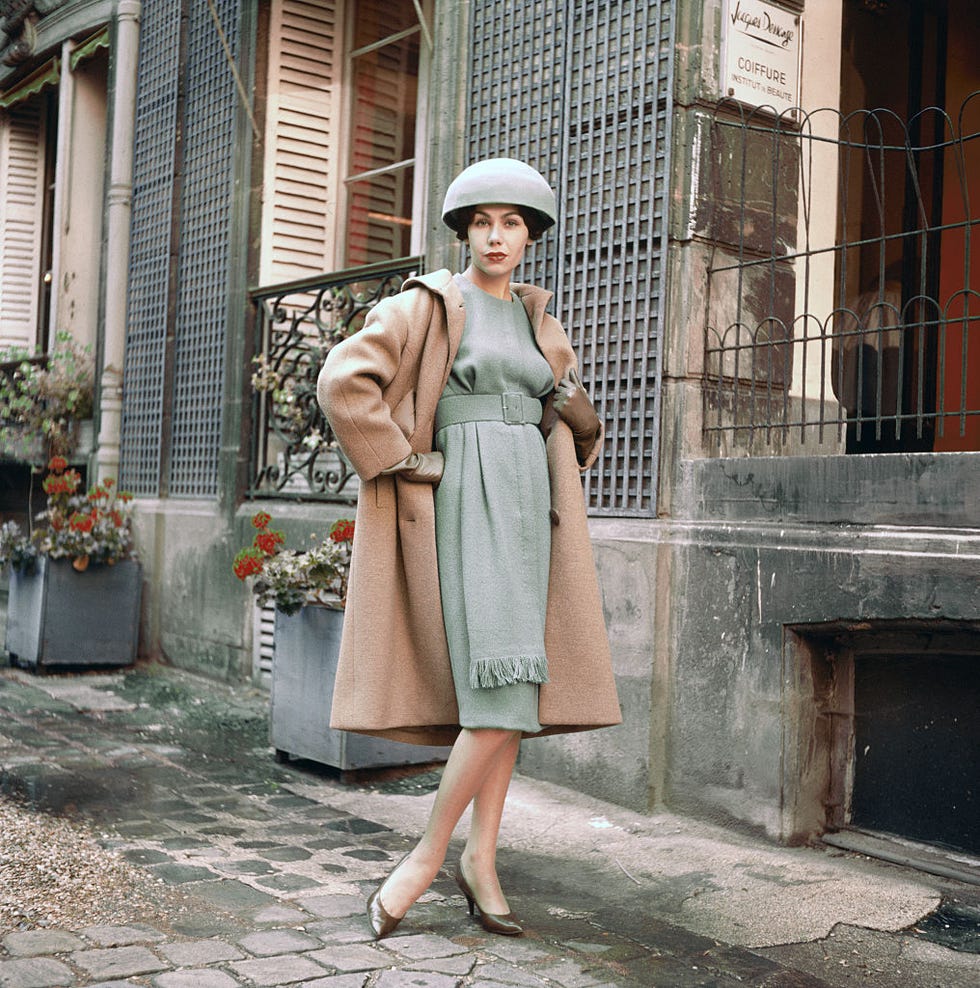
(493, 529)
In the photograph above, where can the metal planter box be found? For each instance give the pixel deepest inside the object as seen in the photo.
(307, 645)
(59, 617)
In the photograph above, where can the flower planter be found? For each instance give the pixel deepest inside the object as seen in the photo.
(59, 617)
(307, 645)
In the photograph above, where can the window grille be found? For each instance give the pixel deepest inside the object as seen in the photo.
(515, 101)
(583, 93)
(209, 148)
(866, 344)
(150, 247)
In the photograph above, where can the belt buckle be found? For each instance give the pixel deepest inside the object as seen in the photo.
(513, 407)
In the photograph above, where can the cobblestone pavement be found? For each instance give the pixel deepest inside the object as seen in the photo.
(272, 872)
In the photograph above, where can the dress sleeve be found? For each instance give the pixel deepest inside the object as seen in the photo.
(351, 386)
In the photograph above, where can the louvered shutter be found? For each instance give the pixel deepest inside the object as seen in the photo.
(21, 208)
(299, 214)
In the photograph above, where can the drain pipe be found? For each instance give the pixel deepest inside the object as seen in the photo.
(119, 200)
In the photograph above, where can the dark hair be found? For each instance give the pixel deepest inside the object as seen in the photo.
(461, 218)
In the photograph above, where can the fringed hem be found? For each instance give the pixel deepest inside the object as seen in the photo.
(490, 673)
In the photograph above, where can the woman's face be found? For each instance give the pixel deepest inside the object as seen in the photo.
(497, 236)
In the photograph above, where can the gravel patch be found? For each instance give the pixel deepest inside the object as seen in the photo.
(54, 873)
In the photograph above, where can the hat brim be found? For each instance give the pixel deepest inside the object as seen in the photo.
(455, 218)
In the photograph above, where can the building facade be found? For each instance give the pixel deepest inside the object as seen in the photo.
(765, 265)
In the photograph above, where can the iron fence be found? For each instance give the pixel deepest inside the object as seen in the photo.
(843, 304)
(294, 454)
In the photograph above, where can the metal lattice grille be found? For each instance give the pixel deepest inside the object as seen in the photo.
(582, 92)
(515, 104)
(613, 231)
(149, 272)
(205, 220)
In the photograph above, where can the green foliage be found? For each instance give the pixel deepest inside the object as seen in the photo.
(41, 400)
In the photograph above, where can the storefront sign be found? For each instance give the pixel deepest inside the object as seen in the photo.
(761, 54)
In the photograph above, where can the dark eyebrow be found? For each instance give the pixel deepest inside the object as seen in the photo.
(510, 212)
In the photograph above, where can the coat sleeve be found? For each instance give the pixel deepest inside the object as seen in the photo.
(351, 387)
(558, 351)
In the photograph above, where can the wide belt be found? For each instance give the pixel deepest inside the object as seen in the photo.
(511, 407)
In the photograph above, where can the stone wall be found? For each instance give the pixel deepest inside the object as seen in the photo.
(783, 549)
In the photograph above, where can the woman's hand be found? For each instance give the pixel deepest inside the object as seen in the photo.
(574, 408)
(421, 468)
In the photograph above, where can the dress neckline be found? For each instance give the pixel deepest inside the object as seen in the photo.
(467, 286)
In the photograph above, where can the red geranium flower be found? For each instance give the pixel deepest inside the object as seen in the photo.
(261, 520)
(57, 464)
(248, 563)
(268, 542)
(342, 531)
(81, 523)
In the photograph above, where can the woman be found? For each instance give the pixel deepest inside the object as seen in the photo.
(473, 612)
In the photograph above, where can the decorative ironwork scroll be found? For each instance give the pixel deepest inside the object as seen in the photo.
(294, 454)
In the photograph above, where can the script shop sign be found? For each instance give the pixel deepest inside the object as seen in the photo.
(761, 54)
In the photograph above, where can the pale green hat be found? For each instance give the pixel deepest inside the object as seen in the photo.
(500, 180)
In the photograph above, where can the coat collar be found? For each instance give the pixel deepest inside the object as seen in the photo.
(535, 300)
(441, 283)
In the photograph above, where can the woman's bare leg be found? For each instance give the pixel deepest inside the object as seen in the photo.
(480, 854)
(473, 760)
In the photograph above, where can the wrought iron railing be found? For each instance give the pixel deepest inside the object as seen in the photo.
(843, 305)
(294, 454)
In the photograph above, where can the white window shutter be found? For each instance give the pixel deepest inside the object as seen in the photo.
(21, 213)
(302, 128)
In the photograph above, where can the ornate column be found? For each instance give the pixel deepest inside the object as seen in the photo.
(119, 197)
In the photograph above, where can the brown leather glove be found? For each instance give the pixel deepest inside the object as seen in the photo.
(574, 408)
(421, 468)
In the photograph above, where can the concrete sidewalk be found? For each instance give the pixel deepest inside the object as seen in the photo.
(272, 864)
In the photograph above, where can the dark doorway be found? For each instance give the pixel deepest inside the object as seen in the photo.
(917, 747)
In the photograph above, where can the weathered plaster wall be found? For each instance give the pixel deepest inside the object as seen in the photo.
(617, 764)
(786, 542)
(197, 614)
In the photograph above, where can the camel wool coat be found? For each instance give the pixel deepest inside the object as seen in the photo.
(379, 389)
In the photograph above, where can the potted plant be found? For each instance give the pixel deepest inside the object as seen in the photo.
(309, 589)
(44, 400)
(289, 580)
(75, 585)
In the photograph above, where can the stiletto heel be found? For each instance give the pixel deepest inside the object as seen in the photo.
(383, 924)
(504, 925)
(465, 889)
